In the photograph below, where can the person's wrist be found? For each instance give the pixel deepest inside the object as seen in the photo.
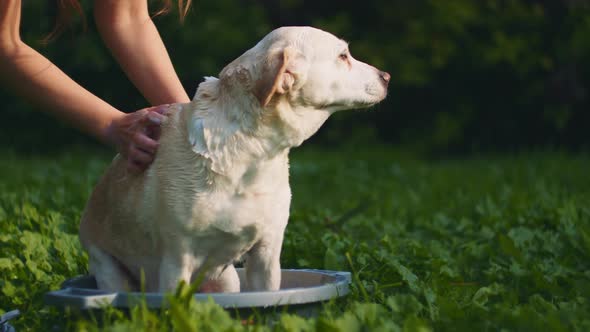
(109, 130)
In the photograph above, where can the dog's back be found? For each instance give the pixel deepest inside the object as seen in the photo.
(121, 214)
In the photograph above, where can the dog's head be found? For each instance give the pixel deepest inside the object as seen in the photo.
(306, 67)
(284, 88)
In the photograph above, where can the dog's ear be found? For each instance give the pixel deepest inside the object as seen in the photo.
(278, 74)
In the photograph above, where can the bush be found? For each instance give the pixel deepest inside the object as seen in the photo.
(466, 75)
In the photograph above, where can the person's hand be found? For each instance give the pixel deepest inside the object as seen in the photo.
(135, 135)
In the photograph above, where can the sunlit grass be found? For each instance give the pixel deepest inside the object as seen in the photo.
(483, 243)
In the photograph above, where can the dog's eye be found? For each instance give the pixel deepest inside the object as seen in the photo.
(343, 56)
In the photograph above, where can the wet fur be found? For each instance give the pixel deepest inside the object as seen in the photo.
(219, 189)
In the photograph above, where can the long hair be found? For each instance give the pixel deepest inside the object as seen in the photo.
(67, 9)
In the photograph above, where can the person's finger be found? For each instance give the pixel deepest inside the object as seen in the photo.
(155, 117)
(140, 156)
(162, 109)
(133, 166)
(138, 160)
(138, 115)
(153, 132)
(144, 142)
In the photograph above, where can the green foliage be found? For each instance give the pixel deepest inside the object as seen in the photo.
(485, 243)
(466, 75)
(40, 206)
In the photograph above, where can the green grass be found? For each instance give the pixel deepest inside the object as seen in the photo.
(486, 243)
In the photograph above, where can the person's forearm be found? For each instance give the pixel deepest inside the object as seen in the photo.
(135, 42)
(34, 77)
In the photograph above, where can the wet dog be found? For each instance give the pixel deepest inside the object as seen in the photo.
(218, 189)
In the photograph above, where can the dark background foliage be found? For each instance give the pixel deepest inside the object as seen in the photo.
(467, 76)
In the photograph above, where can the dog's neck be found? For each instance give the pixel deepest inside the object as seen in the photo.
(231, 129)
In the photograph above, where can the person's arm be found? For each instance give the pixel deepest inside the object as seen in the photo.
(35, 78)
(128, 30)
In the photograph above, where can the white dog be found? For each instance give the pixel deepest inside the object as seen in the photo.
(219, 186)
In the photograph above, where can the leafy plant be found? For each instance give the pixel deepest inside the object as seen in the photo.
(488, 243)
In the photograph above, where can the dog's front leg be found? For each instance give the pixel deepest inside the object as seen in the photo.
(263, 266)
(175, 267)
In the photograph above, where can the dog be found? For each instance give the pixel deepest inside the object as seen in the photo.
(218, 190)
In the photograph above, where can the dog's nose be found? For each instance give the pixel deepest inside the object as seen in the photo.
(384, 77)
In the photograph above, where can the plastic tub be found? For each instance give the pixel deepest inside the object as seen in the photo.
(302, 291)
